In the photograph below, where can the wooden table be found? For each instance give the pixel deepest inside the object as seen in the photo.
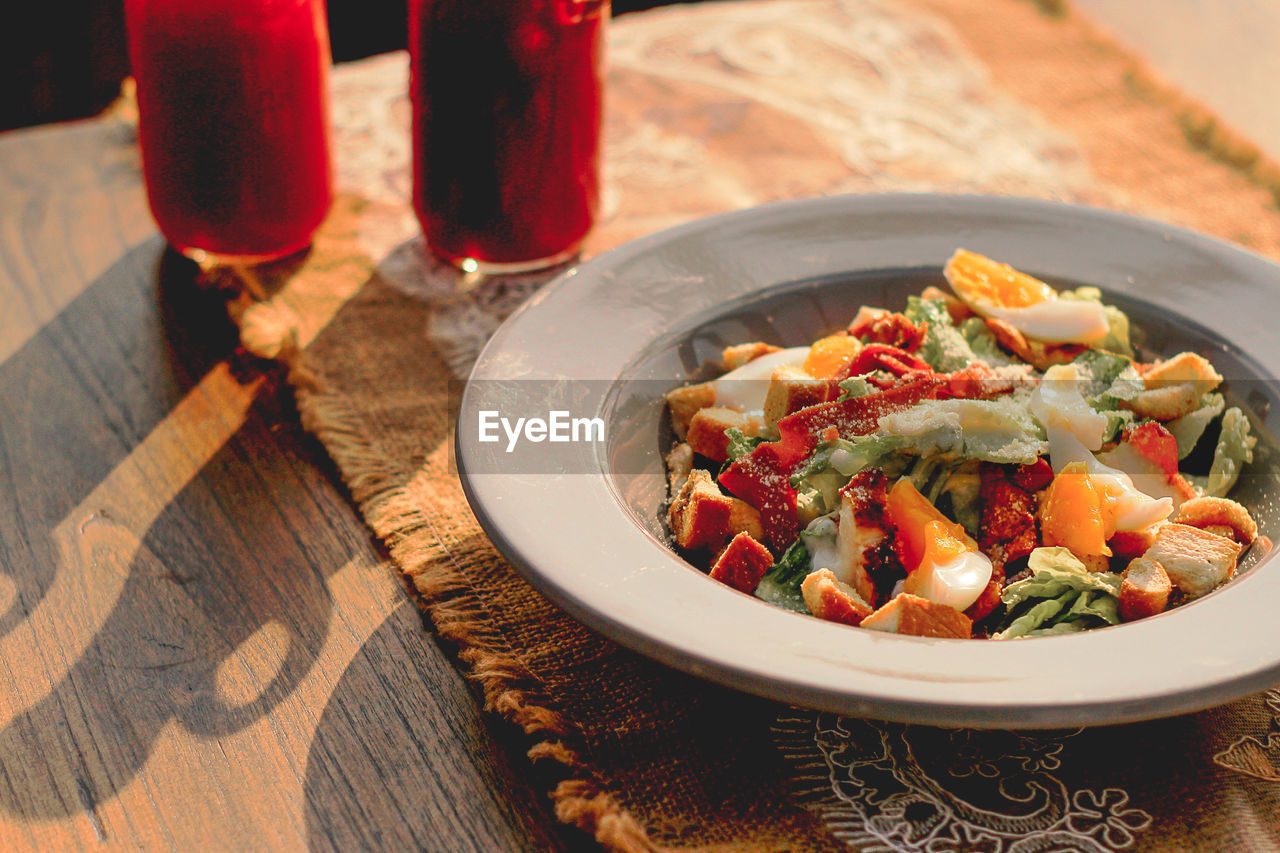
(200, 645)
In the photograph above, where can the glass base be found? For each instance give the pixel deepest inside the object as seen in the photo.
(208, 260)
(474, 266)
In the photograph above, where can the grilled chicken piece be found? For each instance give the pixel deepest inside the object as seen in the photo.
(1195, 560)
(867, 559)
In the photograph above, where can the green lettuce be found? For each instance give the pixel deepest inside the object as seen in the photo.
(944, 347)
(740, 444)
(780, 586)
(1234, 451)
(1188, 429)
(1001, 430)
(1107, 380)
(1060, 596)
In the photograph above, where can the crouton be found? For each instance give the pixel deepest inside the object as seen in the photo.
(1195, 560)
(1185, 367)
(685, 401)
(706, 433)
(735, 356)
(828, 598)
(1214, 514)
(792, 389)
(1145, 590)
(700, 513)
(679, 465)
(920, 617)
(742, 563)
(1173, 387)
(744, 518)
(1165, 402)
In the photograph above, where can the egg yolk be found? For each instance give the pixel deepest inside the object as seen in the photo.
(829, 355)
(1077, 513)
(923, 531)
(976, 278)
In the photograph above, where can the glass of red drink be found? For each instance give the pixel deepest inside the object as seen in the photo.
(233, 122)
(506, 101)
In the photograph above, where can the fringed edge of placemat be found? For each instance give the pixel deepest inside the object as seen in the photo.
(507, 687)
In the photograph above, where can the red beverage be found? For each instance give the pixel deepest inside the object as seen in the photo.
(233, 121)
(506, 127)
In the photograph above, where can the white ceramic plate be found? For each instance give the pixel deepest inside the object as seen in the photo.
(583, 521)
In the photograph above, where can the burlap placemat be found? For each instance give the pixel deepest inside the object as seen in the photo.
(715, 107)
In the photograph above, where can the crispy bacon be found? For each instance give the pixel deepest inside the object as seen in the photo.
(762, 478)
(890, 359)
(884, 327)
(1008, 517)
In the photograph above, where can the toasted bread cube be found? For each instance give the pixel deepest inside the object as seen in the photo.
(744, 518)
(679, 466)
(919, 617)
(700, 513)
(1195, 560)
(1165, 402)
(742, 563)
(706, 433)
(1145, 590)
(1185, 367)
(1213, 514)
(828, 598)
(740, 354)
(685, 401)
(792, 389)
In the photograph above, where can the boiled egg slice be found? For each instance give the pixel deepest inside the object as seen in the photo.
(943, 563)
(745, 388)
(1029, 305)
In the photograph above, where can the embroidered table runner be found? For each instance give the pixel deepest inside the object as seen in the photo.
(715, 107)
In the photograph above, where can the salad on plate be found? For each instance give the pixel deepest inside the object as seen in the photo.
(991, 462)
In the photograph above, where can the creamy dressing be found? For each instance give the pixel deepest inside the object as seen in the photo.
(746, 387)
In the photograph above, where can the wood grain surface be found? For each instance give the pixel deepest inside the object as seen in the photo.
(200, 647)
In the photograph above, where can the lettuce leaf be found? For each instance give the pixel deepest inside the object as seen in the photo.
(943, 347)
(1060, 596)
(1188, 429)
(740, 444)
(780, 585)
(1234, 451)
(1108, 379)
(1000, 430)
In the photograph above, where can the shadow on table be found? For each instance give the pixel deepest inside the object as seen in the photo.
(97, 392)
